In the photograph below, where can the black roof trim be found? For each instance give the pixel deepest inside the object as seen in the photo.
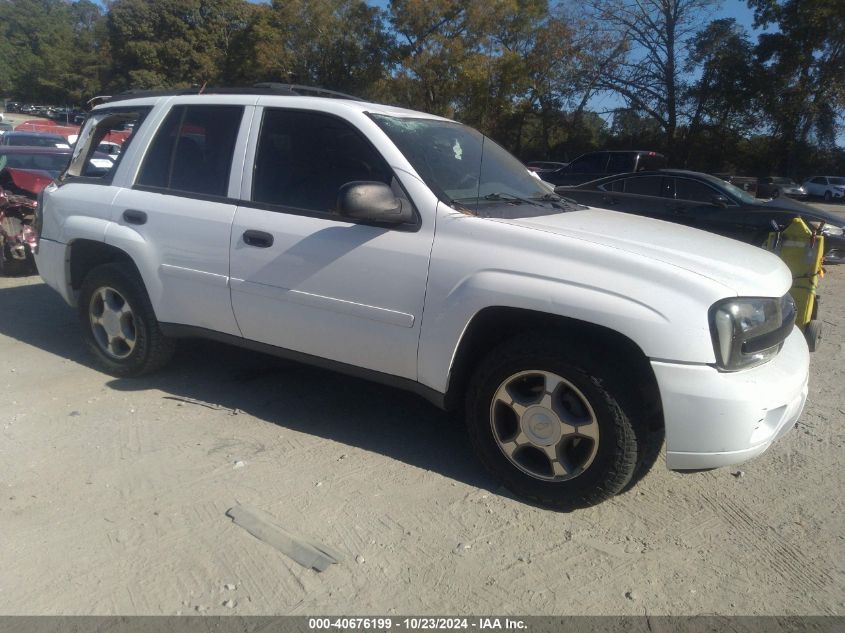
(265, 88)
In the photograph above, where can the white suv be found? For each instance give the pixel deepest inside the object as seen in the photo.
(414, 251)
(828, 187)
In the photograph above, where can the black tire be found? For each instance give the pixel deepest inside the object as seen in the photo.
(813, 334)
(621, 449)
(151, 349)
(775, 193)
(828, 196)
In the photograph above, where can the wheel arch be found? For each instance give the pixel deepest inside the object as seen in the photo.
(493, 325)
(84, 255)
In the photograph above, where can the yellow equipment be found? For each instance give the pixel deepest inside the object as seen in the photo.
(802, 249)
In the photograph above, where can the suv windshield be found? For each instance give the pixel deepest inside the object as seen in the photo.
(461, 165)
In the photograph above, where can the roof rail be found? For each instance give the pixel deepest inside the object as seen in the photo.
(264, 88)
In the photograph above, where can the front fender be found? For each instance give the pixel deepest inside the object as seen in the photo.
(662, 309)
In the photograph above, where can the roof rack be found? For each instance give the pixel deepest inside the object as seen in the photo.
(264, 88)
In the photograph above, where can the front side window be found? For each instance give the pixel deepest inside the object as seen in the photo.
(304, 158)
(115, 126)
(192, 150)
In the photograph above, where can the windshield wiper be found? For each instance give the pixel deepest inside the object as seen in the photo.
(509, 197)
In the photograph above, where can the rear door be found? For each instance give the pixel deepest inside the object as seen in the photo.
(306, 279)
(176, 217)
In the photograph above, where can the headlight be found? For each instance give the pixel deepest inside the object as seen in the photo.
(749, 331)
(832, 231)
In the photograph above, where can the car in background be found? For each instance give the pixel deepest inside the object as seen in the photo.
(52, 160)
(544, 168)
(705, 202)
(13, 106)
(34, 139)
(775, 186)
(746, 183)
(594, 165)
(828, 187)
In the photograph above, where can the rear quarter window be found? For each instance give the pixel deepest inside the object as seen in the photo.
(115, 126)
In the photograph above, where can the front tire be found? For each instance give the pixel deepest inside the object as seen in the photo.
(119, 324)
(553, 423)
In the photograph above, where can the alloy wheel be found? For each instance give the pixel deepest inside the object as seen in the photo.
(112, 323)
(544, 425)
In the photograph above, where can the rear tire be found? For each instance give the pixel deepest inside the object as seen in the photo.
(552, 382)
(119, 324)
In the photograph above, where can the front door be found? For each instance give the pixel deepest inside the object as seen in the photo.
(304, 278)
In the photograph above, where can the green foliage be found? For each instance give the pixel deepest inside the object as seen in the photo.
(48, 48)
(522, 71)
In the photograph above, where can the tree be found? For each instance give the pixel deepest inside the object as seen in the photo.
(804, 62)
(655, 33)
(337, 44)
(50, 49)
(172, 43)
(725, 97)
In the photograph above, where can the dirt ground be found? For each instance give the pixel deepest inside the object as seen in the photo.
(114, 495)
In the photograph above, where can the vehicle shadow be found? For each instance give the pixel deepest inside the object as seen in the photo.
(310, 400)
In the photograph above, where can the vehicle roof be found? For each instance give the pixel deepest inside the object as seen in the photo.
(623, 151)
(290, 101)
(33, 149)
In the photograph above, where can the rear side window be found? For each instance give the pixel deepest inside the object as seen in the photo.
(620, 163)
(116, 126)
(644, 185)
(303, 158)
(192, 150)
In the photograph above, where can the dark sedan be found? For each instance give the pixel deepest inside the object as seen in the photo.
(34, 139)
(705, 202)
(52, 160)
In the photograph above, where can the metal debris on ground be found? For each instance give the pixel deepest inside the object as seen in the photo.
(304, 551)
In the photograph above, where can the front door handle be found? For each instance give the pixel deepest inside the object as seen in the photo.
(133, 216)
(259, 239)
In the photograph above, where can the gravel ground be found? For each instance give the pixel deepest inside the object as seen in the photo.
(114, 495)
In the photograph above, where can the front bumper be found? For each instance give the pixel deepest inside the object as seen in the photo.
(718, 418)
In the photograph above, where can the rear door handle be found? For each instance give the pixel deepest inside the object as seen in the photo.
(259, 239)
(133, 216)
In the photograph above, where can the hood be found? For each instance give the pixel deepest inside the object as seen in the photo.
(805, 210)
(744, 269)
(29, 180)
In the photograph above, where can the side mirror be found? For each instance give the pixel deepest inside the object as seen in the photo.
(719, 201)
(372, 202)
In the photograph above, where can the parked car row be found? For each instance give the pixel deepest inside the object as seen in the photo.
(706, 202)
(62, 114)
(595, 165)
